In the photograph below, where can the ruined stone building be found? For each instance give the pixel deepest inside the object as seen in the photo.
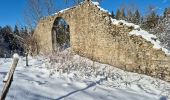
(95, 35)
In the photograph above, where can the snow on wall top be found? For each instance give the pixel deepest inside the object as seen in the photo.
(137, 31)
(95, 3)
(62, 11)
(102, 9)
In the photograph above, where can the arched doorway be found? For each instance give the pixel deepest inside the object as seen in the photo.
(60, 34)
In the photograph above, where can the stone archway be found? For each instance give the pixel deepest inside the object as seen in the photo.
(60, 34)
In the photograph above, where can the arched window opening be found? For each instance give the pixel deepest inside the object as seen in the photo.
(60, 34)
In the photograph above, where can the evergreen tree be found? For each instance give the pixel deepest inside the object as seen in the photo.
(118, 14)
(6, 33)
(24, 31)
(129, 16)
(0, 31)
(165, 12)
(136, 17)
(1, 38)
(113, 15)
(152, 20)
(16, 30)
(163, 31)
(122, 14)
(61, 33)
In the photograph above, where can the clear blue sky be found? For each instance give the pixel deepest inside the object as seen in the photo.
(11, 11)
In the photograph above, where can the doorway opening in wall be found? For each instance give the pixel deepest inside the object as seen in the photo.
(60, 34)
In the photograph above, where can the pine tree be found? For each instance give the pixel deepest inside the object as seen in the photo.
(113, 15)
(122, 14)
(16, 30)
(24, 31)
(152, 20)
(118, 14)
(165, 12)
(1, 38)
(0, 28)
(163, 31)
(136, 17)
(6, 33)
(61, 33)
(129, 16)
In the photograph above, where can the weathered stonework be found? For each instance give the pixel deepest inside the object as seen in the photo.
(93, 35)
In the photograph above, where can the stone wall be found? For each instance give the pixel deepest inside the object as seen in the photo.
(94, 36)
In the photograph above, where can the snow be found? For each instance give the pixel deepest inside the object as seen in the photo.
(6, 77)
(147, 36)
(73, 78)
(117, 22)
(62, 11)
(139, 32)
(16, 56)
(151, 38)
(95, 3)
(102, 9)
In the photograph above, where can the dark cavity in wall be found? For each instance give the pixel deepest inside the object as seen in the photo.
(60, 34)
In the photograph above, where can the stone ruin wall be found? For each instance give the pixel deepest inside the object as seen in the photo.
(93, 35)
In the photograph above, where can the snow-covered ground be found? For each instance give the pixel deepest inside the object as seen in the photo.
(71, 77)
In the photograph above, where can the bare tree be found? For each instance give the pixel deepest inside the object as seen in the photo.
(50, 6)
(36, 9)
(33, 12)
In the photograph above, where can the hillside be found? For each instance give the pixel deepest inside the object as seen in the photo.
(71, 77)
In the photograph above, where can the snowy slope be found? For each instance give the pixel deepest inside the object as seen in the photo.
(43, 80)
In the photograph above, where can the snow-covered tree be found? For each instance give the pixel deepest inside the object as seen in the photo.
(129, 15)
(163, 30)
(136, 17)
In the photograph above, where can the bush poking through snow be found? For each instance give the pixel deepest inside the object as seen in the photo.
(76, 67)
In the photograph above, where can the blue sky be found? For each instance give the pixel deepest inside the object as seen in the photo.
(11, 11)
